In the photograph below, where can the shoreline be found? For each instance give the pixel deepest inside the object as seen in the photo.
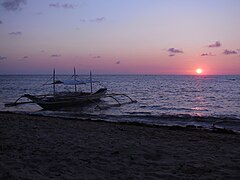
(34, 146)
(213, 129)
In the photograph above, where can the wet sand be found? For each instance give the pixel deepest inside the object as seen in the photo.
(41, 148)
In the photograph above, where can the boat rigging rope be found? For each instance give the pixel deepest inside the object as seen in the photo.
(38, 88)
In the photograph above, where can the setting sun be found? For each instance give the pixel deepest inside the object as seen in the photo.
(199, 71)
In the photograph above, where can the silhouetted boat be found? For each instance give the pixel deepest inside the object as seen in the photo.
(64, 99)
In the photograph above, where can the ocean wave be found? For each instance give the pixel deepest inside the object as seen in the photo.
(183, 120)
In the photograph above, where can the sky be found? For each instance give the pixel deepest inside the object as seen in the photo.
(120, 36)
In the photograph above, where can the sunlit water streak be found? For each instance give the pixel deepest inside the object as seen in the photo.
(163, 100)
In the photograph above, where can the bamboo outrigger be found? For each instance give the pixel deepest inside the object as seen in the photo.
(65, 99)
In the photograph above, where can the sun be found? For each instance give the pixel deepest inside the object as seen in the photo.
(199, 71)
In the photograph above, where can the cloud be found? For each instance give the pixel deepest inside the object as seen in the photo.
(82, 20)
(98, 20)
(229, 52)
(3, 58)
(55, 55)
(174, 51)
(68, 6)
(65, 6)
(24, 58)
(96, 57)
(118, 62)
(13, 5)
(18, 33)
(207, 54)
(55, 5)
(204, 54)
(214, 45)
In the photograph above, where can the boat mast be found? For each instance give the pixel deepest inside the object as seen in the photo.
(54, 88)
(75, 85)
(91, 80)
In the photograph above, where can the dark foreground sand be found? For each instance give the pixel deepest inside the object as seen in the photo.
(34, 147)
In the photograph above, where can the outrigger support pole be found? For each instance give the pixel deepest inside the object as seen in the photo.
(54, 88)
(114, 99)
(114, 94)
(18, 103)
(91, 81)
(118, 102)
(75, 86)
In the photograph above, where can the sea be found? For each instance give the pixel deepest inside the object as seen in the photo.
(165, 100)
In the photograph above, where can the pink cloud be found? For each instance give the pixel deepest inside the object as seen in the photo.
(96, 57)
(207, 54)
(173, 50)
(56, 55)
(229, 52)
(214, 45)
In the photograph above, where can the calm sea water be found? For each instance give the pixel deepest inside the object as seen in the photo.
(161, 99)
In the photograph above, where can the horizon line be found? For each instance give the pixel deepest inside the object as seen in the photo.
(147, 74)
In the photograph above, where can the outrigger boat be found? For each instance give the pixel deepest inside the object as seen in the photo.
(63, 99)
(58, 100)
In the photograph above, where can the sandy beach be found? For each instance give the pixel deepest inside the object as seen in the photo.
(35, 147)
